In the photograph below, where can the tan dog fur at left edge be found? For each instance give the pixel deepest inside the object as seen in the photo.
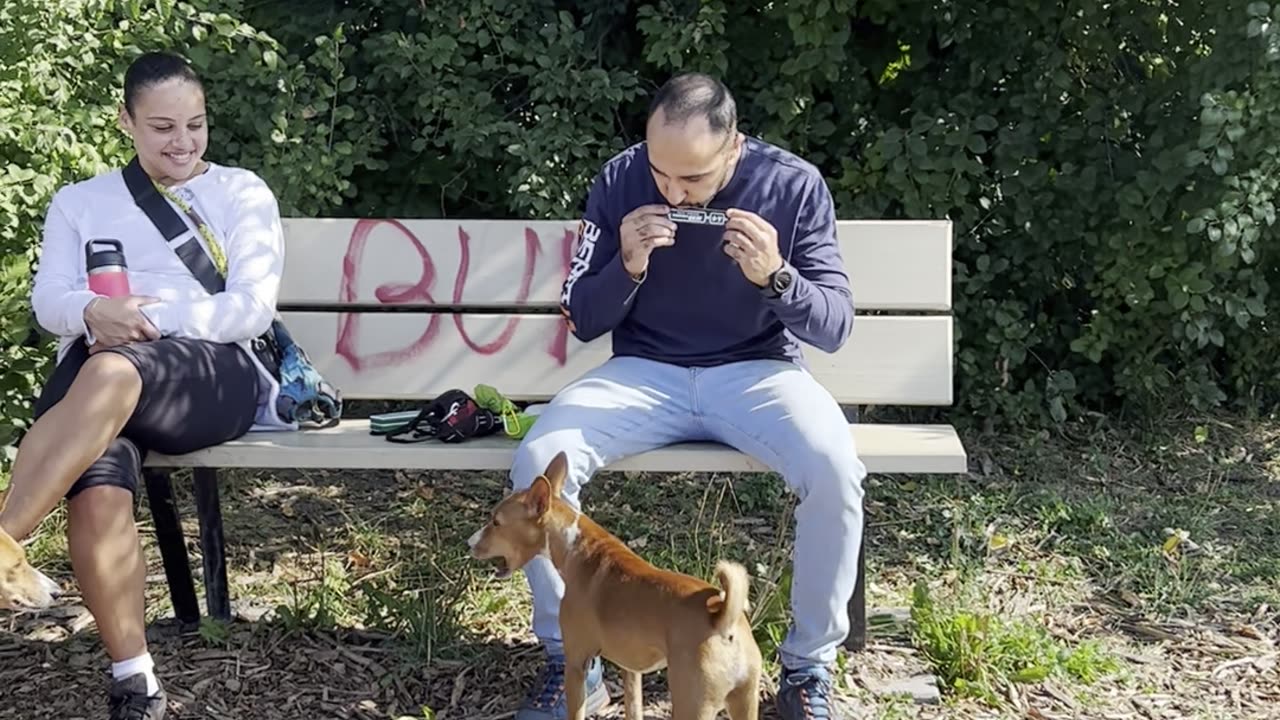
(21, 586)
(637, 616)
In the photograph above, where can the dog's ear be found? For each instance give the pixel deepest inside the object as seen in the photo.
(538, 498)
(11, 553)
(557, 471)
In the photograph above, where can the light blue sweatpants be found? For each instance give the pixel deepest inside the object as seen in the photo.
(772, 410)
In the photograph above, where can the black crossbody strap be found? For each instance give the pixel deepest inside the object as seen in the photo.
(172, 227)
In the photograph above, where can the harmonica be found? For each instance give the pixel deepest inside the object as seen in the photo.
(698, 216)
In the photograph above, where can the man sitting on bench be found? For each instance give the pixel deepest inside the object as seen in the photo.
(707, 315)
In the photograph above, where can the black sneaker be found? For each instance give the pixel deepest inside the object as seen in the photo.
(128, 700)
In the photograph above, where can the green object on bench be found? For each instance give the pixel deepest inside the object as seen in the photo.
(498, 325)
(515, 424)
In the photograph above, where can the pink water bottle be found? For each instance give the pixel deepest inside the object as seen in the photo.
(108, 273)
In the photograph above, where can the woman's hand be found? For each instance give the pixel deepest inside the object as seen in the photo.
(118, 321)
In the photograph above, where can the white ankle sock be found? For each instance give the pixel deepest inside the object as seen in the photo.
(141, 664)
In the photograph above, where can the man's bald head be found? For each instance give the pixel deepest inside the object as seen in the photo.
(692, 138)
(696, 97)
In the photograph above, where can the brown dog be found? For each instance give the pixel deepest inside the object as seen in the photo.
(22, 586)
(637, 616)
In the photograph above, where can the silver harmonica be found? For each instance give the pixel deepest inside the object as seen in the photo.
(698, 216)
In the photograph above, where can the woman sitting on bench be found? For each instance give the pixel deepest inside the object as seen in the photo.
(161, 366)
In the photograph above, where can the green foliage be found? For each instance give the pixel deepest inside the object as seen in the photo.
(1111, 171)
(979, 654)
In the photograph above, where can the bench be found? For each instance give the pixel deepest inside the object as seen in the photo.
(405, 310)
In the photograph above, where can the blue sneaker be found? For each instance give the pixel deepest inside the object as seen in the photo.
(805, 695)
(546, 700)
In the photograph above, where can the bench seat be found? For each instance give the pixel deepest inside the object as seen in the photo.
(883, 448)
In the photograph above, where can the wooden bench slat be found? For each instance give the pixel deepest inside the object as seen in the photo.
(893, 265)
(883, 448)
(888, 360)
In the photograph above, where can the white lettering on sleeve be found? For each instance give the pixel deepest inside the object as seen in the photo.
(588, 234)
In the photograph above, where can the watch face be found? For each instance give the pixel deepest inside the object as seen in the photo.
(782, 280)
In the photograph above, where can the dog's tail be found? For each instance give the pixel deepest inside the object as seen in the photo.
(729, 606)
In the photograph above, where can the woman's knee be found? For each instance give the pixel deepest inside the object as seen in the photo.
(100, 508)
(109, 372)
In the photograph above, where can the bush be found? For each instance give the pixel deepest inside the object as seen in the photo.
(1112, 172)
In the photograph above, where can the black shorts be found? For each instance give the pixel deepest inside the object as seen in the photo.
(195, 394)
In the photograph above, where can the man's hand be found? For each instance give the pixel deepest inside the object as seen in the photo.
(118, 321)
(752, 243)
(642, 230)
(568, 319)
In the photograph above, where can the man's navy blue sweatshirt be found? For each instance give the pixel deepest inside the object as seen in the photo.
(694, 307)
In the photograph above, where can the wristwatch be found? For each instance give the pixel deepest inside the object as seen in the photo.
(779, 281)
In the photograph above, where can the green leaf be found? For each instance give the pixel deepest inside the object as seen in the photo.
(985, 123)
(1200, 285)
(1064, 381)
(1230, 229)
(1058, 409)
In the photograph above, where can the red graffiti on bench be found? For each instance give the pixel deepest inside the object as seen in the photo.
(420, 293)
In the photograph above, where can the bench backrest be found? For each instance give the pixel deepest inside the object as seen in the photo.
(406, 309)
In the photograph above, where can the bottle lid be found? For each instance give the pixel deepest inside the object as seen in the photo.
(112, 255)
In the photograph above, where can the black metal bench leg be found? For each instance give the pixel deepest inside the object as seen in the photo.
(857, 639)
(209, 511)
(173, 549)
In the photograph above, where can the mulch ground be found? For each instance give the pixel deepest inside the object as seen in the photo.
(52, 666)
